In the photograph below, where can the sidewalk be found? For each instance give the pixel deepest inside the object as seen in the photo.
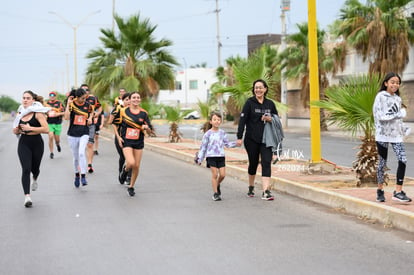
(335, 189)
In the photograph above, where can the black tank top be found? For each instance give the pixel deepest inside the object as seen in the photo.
(32, 121)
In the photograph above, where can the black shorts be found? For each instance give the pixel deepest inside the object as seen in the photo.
(134, 145)
(217, 162)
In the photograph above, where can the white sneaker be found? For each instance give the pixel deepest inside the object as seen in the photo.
(34, 185)
(28, 201)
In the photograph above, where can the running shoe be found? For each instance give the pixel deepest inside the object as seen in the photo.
(400, 196)
(83, 181)
(34, 185)
(216, 197)
(52, 155)
(123, 175)
(131, 191)
(28, 201)
(58, 148)
(90, 169)
(267, 195)
(128, 180)
(250, 193)
(77, 182)
(96, 152)
(380, 195)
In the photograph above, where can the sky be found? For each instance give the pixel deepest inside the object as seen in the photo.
(36, 42)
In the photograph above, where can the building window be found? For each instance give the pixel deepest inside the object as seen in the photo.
(178, 85)
(193, 84)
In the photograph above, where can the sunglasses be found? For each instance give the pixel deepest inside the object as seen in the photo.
(52, 95)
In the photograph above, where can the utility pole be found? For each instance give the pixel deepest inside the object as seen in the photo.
(219, 45)
(113, 15)
(314, 83)
(283, 97)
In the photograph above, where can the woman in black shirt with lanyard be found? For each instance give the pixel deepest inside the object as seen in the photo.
(257, 111)
(78, 112)
(134, 121)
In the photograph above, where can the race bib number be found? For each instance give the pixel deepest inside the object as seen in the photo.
(132, 133)
(79, 120)
(52, 114)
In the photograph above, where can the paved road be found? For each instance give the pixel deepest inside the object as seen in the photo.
(173, 227)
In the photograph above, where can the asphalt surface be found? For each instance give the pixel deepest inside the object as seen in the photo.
(173, 227)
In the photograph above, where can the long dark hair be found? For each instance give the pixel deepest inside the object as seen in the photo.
(217, 114)
(264, 84)
(388, 77)
(35, 96)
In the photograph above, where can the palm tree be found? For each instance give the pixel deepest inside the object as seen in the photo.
(133, 59)
(243, 72)
(152, 110)
(174, 115)
(379, 32)
(205, 114)
(295, 60)
(349, 106)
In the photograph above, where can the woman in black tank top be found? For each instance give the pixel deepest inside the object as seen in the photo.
(30, 148)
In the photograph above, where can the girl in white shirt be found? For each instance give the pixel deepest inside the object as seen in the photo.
(212, 148)
(389, 129)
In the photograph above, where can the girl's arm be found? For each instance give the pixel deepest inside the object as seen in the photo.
(203, 148)
(384, 113)
(227, 143)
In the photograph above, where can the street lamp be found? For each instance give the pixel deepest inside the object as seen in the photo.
(185, 83)
(285, 7)
(67, 64)
(75, 27)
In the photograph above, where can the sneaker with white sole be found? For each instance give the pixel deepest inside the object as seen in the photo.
(251, 192)
(34, 185)
(28, 201)
(400, 196)
(267, 195)
(216, 197)
(380, 195)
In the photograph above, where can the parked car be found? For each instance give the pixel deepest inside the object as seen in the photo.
(193, 115)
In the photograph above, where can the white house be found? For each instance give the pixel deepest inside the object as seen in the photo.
(191, 85)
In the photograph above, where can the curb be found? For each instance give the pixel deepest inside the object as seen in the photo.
(366, 210)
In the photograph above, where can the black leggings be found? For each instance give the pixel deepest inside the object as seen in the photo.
(30, 151)
(399, 150)
(256, 150)
(121, 155)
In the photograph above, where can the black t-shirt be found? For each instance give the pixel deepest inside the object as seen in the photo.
(131, 124)
(251, 118)
(78, 119)
(56, 106)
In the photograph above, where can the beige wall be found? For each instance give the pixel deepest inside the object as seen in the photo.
(296, 109)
